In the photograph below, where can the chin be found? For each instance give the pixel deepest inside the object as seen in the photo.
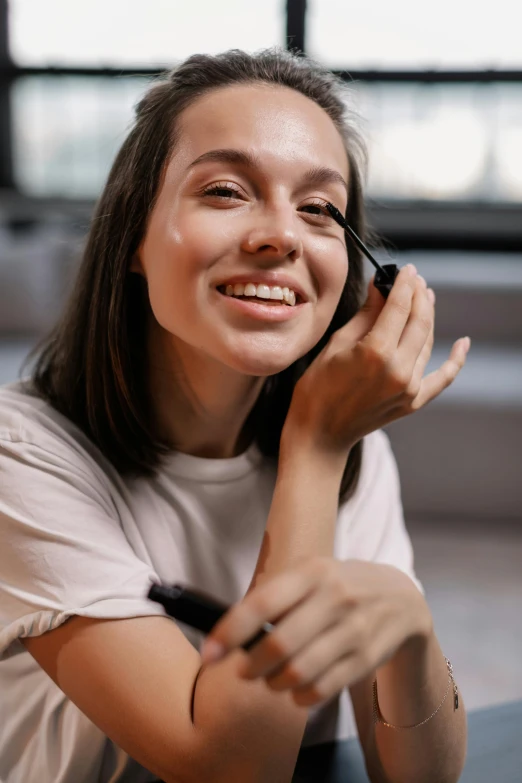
(261, 364)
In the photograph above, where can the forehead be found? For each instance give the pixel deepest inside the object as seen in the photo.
(282, 127)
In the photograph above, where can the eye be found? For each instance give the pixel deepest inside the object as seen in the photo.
(219, 189)
(321, 212)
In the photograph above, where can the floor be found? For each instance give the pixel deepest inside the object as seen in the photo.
(472, 574)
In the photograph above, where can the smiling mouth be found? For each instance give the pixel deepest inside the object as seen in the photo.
(260, 299)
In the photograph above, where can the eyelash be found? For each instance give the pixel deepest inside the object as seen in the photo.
(211, 190)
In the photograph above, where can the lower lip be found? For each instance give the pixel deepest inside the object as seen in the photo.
(260, 311)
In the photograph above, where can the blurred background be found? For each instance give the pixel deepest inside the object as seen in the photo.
(439, 92)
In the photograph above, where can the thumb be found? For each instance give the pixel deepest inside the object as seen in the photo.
(365, 318)
(374, 298)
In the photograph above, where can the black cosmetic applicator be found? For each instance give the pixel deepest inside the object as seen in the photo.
(386, 274)
(197, 609)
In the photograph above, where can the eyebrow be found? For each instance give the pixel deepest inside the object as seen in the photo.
(317, 175)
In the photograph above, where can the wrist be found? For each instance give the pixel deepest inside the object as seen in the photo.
(305, 504)
(299, 444)
(312, 474)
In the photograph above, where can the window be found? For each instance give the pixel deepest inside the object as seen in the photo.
(438, 141)
(67, 131)
(448, 142)
(135, 33)
(414, 35)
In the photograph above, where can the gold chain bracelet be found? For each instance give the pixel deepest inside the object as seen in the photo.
(377, 717)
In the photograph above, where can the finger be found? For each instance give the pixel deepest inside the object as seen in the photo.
(328, 684)
(417, 332)
(418, 327)
(265, 603)
(425, 354)
(434, 383)
(316, 658)
(363, 321)
(386, 637)
(309, 621)
(390, 324)
(423, 360)
(359, 326)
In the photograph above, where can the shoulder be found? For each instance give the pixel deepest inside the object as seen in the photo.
(24, 416)
(33, 435)
(378, 465)
(378, 490)
(377, 445)
(371, 523)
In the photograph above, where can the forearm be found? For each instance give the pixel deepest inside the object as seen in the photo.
(304, 509)
(258, 732)
(411, 686)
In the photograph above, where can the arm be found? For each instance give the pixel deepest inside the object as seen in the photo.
(411, 686)
(262, 730)
(139, 679)
(351, 388)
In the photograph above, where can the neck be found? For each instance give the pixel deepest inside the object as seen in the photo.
(201, 406)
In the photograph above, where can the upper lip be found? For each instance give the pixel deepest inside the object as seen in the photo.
(267, 278)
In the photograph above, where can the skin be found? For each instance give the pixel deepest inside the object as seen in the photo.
(208, 364)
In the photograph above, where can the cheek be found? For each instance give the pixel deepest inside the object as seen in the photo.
(330, 270)
(174, 259)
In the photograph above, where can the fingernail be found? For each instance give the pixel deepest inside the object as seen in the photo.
(212, 651)
(466, 343)
(431, 294)
(412, 269)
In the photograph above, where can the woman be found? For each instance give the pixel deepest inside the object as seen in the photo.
(176, 428)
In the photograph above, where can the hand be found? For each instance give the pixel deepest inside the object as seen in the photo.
(371, 370)
(336, 621)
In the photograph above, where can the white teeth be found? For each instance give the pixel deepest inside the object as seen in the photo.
(262, 291)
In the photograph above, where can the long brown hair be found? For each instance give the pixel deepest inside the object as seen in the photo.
(91, 366)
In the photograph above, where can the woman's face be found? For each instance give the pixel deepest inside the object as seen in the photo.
(266, 218)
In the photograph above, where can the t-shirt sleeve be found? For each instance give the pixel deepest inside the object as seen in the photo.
(63, 551)
(374, 526)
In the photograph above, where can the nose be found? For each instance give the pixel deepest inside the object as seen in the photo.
(274, 234)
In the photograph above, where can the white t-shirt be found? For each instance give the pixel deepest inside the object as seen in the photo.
(77, 539)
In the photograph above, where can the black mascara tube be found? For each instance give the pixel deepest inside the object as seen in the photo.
(197, 609)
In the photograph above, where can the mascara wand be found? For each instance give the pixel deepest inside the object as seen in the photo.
(386, 274)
